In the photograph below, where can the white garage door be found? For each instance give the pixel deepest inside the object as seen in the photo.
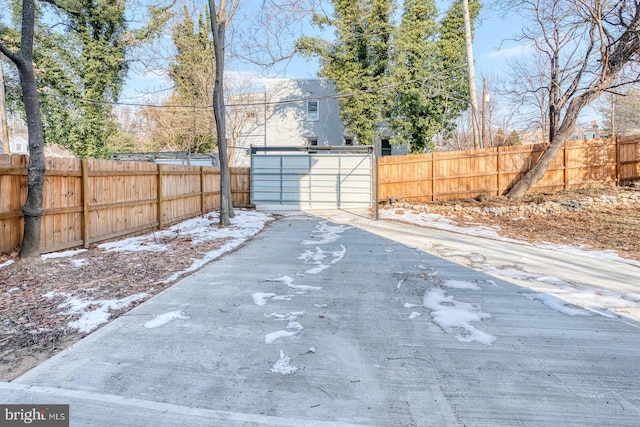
(302, 181)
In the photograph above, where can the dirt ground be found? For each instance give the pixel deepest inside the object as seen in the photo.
(32, 328)
(609, 226)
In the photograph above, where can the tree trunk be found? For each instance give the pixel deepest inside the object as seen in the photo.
(554, 94)
(536, 173)
(218, 28)
(33, 207)
(3, 113)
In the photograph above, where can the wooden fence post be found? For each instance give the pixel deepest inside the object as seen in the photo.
(160, 196)
(433, 176)
(618, 154)
(566, 166)
(202, 209)
(85, 202)
(498, 167)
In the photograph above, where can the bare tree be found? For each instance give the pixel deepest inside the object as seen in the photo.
(625, 112)
(590, 47)
(33, 206)
(172, 126)
(527, 92)
(220, 18)
(267, 45)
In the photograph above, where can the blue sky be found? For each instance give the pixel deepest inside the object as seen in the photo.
(493, 44)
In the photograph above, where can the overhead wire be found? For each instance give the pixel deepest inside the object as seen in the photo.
(242, 104)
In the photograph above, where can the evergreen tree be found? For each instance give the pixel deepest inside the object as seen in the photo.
(192, 71)
(417, 79)
(84, 69)
(452, 60)
(79, 52)
(357, 62)
(416, 114)
(514, 139)
(193, 67)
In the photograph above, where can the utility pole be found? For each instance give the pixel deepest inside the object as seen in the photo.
(613, 116)
(477, 143)
(484, 111)
(3, 114)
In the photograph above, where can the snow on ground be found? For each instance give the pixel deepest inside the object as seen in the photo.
(79, 262)
(461, 284)
(7, 263)
(325, 233)
(12, 290)
(163, 319)
(243, 226)
(261, 298)
(567, 298)
(442, 223)
(316, 257)
(292, 328)
(452, 316)
(201, 229)
(557, 304)
(299, 289)
(283, 365)
(63, 254)
(93, 313)
(414, 315)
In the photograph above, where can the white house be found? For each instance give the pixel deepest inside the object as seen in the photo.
(292, 113)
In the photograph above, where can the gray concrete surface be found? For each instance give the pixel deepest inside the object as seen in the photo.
(372, 363)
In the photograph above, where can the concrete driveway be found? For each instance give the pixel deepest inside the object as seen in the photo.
(315, 323)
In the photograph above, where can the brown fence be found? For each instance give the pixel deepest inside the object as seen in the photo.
(493, 171)
(88, 201)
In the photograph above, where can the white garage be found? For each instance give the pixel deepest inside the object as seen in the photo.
(311, 178)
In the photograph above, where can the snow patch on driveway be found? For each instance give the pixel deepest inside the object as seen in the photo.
(163, 319)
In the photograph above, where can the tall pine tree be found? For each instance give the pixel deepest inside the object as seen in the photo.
(429, 66)
(415, 109)
(412, 76)
(192, 72)
(357, 62)
(82, 71)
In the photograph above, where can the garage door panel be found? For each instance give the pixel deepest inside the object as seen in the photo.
(311, 181)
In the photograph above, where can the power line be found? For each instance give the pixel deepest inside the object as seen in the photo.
(247, 104)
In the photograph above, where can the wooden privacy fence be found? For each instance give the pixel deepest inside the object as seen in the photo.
(88, 201)
(493, 171)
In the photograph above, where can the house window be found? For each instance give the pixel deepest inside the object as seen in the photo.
(312, 110)
(385, 147)
(348, 140)
(19, 147)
